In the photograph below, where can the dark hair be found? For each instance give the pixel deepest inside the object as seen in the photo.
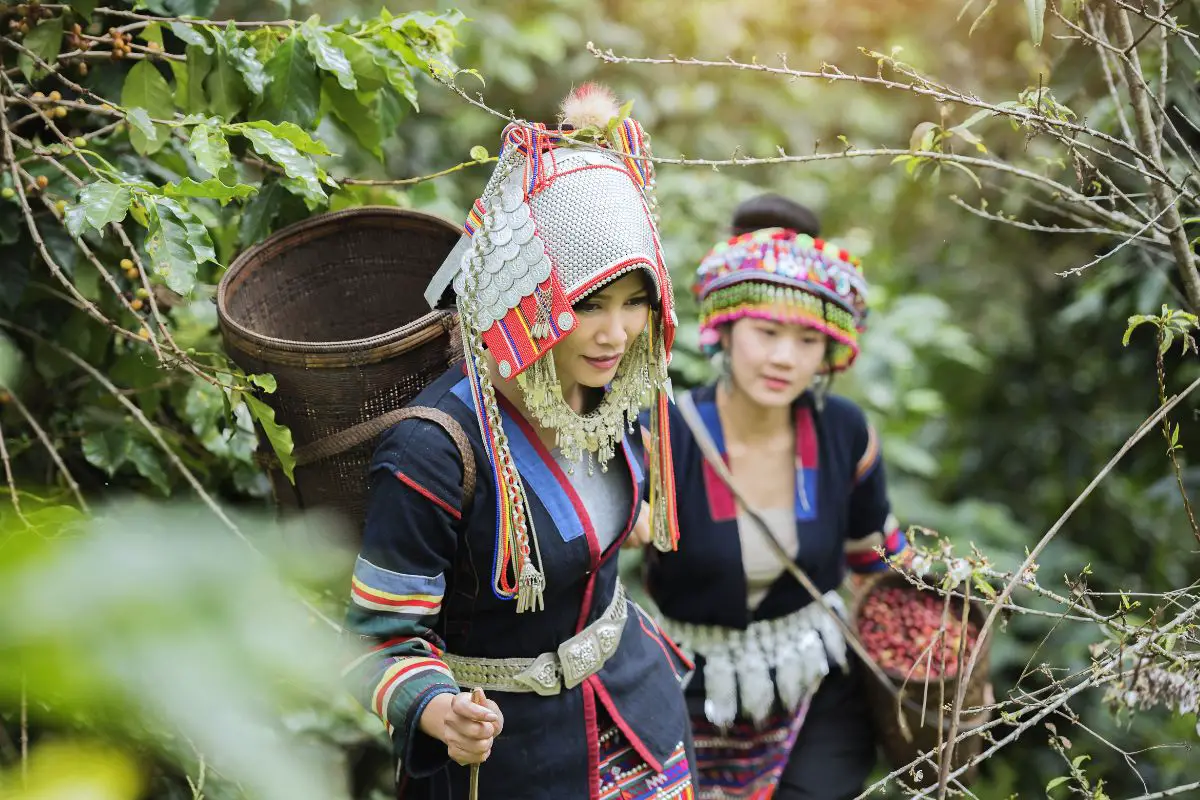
(774, 211)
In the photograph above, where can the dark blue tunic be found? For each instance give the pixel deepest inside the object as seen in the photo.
(423, 586)
(842, 515)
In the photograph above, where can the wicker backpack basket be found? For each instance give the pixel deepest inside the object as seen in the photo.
(333, 307)
(916, 709)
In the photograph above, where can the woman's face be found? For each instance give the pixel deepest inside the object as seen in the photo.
(773, 362)
(609, 321)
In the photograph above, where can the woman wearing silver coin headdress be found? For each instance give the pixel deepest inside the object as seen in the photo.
(567, 319)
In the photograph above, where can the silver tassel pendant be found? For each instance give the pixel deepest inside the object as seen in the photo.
(531, 584)
(755, 688)
(720, 686)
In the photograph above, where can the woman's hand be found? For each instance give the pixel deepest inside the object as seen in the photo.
(641, 535)
(468, 724)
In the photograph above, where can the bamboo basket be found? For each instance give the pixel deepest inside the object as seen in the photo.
(333, 307)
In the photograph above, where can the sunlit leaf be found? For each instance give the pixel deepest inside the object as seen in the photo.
(190, 35)
(212, 189)
(1036, 9)
(278, 435)
(100, 203)
(300, 139)
(177, 245)
(327, 56)
(145, 88)
(295, 164)
(246, 58)
(210, 149)
(367, 73)
(265, 381)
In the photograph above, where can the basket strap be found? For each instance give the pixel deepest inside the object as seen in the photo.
(366, 431)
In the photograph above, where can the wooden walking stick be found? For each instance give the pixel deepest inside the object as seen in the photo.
(477, 697)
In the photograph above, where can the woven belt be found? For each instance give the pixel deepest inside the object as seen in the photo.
(548, 674)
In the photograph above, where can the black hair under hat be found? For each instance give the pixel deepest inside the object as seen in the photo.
(774, 211)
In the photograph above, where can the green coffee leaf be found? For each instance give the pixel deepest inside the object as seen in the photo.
(1036, 9)
(246, 59)
(224, 85)
(45, 40)
(107, 450)
(149, 464)
(300, 139)
(296, 165)
(356, 110)
(84, 8)
(294, 91)
(398, 74)
(370, 76)
(100, 203)
(146, 89)
(211, 189)
(278, 435)
(190, 35)
(189, 93)
(327, 55)
(208, 146)
(265, 381)
(177, 244)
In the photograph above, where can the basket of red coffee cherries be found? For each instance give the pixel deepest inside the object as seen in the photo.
(922, 641)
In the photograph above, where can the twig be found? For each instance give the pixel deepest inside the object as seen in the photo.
(12, 482)
(1161, 375)
(1077, 270)
(1150, 145)
(1175, 792)
(51, 450)
(408, 181)
(220, 23)
(941, 94)
(1042, 228)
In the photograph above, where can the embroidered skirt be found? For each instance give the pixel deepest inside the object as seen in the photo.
(744, 761)
(624, 775)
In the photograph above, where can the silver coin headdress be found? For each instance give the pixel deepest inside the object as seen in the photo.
(566, 212)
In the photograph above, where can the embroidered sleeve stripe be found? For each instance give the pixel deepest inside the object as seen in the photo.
(410, 644)
(378, 579)
(419, 604)
(428, 495)
(896, 541)
(404, 671)
(858, 560)
(870, 456)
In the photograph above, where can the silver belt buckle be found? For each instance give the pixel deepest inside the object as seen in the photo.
(587, 651)
(542, 676)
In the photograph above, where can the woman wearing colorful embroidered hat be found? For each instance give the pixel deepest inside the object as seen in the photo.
(500, 633)
(776, 705)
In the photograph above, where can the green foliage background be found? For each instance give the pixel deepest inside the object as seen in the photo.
(999, 388)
